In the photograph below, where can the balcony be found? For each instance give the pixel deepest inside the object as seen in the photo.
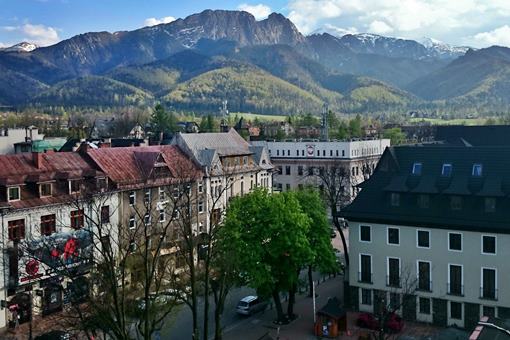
(488, 293)
(455, 289)
(393, 281)
(365, 277)
(424, 285)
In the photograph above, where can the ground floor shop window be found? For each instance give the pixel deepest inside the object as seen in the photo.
(489, 311)
(424, 305)
(366, 296)
(456, 310)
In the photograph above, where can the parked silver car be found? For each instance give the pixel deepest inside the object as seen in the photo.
(250, 305)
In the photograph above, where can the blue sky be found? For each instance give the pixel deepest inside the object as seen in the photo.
(477, 23)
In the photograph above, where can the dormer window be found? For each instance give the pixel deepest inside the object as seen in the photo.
(44, 189)
(446, 170)
(13, 194)
(477, 170)
(74, 186)
(102, 183)
(416, 169)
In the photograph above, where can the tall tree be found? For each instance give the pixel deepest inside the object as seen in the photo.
(324, 259)
(163, 121)
(269, 234)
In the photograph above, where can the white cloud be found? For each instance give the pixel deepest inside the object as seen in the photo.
(40, 35)
(379, 27)
(259, 11)
(2, 45)
(499, 36)
(155, 21)
(446, 19)
(336, 31)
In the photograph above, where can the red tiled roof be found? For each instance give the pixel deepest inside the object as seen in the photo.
(132, 166)
(16, 169)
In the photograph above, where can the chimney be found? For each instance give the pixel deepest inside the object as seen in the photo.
(37, 159)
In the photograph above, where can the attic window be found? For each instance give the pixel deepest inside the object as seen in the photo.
(45, 189)
(446, 170)
(477, 170)
(14, 193)
(416, 169)
(74, 186)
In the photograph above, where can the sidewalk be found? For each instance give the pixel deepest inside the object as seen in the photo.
(258, 326)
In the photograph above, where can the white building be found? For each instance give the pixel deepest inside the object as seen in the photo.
(9, 137)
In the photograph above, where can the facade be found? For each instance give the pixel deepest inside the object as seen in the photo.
(296, 161)
(42, 212)
(9, 137)
(231, 166)
(432, 223)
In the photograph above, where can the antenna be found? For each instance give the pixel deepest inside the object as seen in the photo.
(324, 124)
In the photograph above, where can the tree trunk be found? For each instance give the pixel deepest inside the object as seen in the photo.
(206, 297)
(292, 300)
(339, 228)
(278, 305)
(310, 281)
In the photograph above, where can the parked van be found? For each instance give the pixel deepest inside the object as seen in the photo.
(250, 305)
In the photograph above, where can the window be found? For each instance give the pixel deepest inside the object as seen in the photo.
(424, 282)
(77, 220)
(45, 189)
(446, 170)
(132, 198)
(277, 152)
(14, 193)
(366, 296)
(132, 246)
(161, 215)
(416, 169)
(423, 201)
(455, 241)
(287, 170)
(105, 214)
(395, 199)
(424, 305)
(147, 196)
(132, 222)
(147, 219)
(456, 203)
(423, 238)
(365, 233)
(245, 160)
(455, 280)
(101, 184)
(16, 230)
(393, 236)
(300, 170)
(310, 171)
(201, 206)
(287, 187)
(456, 310)
(394, 301)
(393, 278)
(488, 244)
(48, 225)
(288, 152)
(490, 204)
(488, 289)
(74, 186)
(176, 193)
(280, 170)
(162, 194)
(489, 311)
(477, 170)
(343, 153)
(242, 187)
(200, 187)
(365, 274)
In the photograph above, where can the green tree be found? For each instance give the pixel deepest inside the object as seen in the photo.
(163, 121)
(396, 135)
(268, 232)
(355, 127)
(324, 259)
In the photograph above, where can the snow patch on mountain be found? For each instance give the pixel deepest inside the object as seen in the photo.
(21, 47)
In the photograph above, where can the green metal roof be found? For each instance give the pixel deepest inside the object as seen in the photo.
(393, 175)
(48, 144)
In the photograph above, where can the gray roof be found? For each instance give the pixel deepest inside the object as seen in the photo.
(224, 143)
(259, 153)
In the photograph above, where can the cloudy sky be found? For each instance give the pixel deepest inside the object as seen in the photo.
(477, 23)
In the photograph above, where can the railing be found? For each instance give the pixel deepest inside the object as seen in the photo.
(424, 286)
(488, 293)
(365, 277)
(455, 289)
(393, 281)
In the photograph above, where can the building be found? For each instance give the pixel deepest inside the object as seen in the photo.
(297, 161)
(47, 144)
(9, 137)
(42, 210)
(231, 166)
(439, 215)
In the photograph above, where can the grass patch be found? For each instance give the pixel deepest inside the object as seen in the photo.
(458, 121)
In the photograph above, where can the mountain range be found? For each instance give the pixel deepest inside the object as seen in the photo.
(264, 66)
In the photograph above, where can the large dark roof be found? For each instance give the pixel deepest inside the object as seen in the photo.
(393, 175)
(485, 135)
